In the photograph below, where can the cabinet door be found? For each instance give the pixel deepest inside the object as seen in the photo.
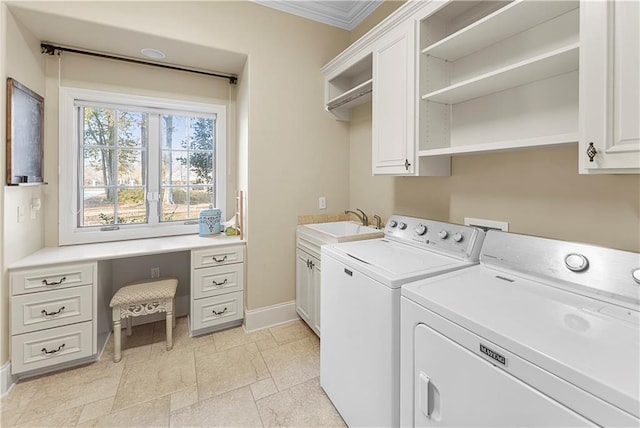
(315, 281)
(304, 290)
(609, 87)
(393, 103)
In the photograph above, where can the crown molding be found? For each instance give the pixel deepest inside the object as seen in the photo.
(342, 14)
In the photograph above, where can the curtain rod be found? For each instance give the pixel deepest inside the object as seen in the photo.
(49, 49)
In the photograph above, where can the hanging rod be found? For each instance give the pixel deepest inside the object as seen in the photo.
(49, 49)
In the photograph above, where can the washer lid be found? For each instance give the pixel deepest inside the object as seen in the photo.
(592, 344)
(393, 263)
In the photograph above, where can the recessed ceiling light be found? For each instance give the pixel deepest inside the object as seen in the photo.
(153, 53)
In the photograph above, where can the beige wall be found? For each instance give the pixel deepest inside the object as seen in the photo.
(537, 191)
(23, 63)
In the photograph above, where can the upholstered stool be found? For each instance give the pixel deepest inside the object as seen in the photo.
(141, 298)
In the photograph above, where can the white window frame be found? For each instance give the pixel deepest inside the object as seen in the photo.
(69, 153)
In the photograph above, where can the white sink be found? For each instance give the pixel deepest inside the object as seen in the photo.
(341, 231)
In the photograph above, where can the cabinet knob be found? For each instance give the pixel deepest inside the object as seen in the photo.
(406, 164)
(591, 152)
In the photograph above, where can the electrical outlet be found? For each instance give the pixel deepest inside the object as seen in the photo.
(155, 272)
(322, 203)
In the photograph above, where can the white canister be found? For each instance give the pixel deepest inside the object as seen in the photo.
(209, 221)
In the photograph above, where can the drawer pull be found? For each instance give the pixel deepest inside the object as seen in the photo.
(218, 284)
(63, 279)
(219, 313)
(50, 314)
(54, 351)
(215, 259)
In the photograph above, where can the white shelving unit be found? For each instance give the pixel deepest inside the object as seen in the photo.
(498, 79)
(350, 86)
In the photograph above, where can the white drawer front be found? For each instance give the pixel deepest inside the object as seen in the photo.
(217, 256)
(217, 280)
(50, 347)
(31, 312)
(217, 310)
(51, 278)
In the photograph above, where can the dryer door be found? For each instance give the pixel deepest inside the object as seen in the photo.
(455, 387)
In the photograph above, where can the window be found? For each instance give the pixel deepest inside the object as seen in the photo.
(137, 167)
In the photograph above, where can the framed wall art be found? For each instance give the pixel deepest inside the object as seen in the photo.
(25, 135)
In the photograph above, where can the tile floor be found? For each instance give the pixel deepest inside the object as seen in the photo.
(229, 378)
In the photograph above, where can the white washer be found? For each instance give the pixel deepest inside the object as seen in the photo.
(360, 310)
(541, 333)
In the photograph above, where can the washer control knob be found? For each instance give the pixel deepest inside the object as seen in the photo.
(402, 225)
(421, 229)
(457, 237)
(393, 223)
(636, 275)
(443, 234)
(576, 262)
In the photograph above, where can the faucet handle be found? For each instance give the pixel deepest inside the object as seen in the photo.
(378, 221)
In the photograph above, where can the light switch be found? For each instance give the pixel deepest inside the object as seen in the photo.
(20, 214)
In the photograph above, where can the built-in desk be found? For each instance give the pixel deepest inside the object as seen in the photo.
(60, 313)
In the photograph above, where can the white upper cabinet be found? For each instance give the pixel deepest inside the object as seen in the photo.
(609, 87)
(393, 97)
(498, 75)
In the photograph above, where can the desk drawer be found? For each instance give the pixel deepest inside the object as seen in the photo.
(31, 312)
(51, 278)
(217, 310)
(217, 280)
(217, 256)
(46, 348)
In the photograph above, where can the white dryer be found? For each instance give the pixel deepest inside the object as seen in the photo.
(541, 333)
(360, 310)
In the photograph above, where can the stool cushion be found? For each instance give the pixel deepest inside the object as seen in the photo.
(145, 291)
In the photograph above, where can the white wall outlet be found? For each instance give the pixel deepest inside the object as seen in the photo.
(322, 203)
(20, 214)
(487, 224)
(155, 272)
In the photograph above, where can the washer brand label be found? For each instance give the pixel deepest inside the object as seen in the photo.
(493, 355)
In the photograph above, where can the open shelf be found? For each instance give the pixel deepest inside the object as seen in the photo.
(501, 24)
(547, 140)
(539, 67)
(355, 96)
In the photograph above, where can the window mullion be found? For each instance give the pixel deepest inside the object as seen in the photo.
(153, 168)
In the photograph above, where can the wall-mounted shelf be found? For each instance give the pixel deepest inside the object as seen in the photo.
(496, 76)
(540, 67)
(499, 25)
(547, 140)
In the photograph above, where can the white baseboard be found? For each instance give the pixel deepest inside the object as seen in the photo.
(269, 316)
(6, 380)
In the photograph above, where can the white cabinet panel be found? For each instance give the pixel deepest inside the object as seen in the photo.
(50, 347)
(212, 281)
(217, 256)
(393, 101)
(51, 277)
(51, 309)
(610, 87)
(217, 310)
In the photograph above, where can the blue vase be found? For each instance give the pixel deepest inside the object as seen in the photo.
(209, 221)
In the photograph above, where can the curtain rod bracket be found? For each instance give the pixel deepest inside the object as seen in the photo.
(49, 49)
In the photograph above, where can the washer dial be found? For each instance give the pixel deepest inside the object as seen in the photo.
(443, 234)
(421, 229)
(402, 225)
(457, 237)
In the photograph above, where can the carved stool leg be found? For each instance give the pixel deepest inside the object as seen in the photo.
(170, 318)
(174, 312)
(117, 353)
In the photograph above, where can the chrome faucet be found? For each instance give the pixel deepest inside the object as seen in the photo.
(378, 221)
(363, 218)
